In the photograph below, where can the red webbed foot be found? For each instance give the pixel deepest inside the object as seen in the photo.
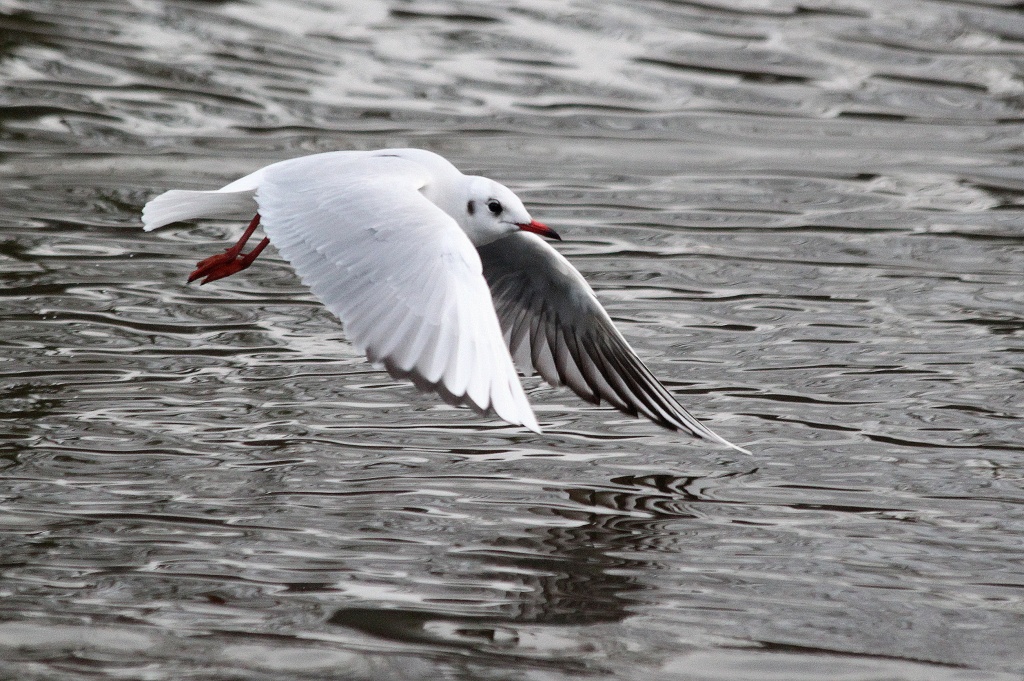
(230, 261)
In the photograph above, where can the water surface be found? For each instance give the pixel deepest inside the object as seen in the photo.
(806, 217)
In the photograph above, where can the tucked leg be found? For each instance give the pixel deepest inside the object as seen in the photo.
(230, 261)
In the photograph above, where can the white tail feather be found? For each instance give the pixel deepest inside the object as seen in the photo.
(181, 204)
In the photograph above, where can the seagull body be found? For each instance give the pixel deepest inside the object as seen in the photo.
(442, 278)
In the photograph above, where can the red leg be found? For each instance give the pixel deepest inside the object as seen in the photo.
(236, 265)
(227, 263)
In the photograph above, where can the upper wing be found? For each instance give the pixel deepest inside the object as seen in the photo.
(399, 273)
(553, 322)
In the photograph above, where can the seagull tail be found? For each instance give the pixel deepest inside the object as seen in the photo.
(181, 204)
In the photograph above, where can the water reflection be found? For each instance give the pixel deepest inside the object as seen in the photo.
(577, 573)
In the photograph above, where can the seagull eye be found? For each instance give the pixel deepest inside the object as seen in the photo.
(494, 206)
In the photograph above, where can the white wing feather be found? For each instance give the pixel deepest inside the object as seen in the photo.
(398, 271)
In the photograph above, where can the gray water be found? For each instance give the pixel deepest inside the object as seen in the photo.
(805, 216)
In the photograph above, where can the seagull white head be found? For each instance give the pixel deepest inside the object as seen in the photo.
(492, 211)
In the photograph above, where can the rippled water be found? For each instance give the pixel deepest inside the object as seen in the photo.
(805, 215)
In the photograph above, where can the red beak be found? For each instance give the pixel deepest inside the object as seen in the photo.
(540, 228)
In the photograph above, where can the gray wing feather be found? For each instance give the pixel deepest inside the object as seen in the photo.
(552, 320)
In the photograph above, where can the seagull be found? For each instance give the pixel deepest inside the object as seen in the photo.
(442, 278)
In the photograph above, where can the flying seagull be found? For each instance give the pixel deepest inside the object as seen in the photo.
(442, 278)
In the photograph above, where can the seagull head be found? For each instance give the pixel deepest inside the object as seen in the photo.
(492, 211)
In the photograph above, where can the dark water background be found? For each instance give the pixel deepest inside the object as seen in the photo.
(807, 216)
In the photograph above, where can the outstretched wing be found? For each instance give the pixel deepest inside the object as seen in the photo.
(554, 324)
(398, 271)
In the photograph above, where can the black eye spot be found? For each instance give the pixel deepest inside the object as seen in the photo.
(471, 207)
(494, 206)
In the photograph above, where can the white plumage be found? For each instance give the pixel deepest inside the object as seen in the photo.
(437, 276)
